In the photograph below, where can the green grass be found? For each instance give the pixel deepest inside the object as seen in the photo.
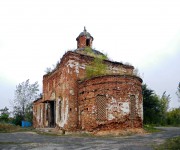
(170, 144)
(150, 129)
(48, 133)
(6, 128)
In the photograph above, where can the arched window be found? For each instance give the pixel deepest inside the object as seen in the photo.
(87, 42)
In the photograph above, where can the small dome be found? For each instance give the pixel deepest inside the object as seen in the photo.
(85, 33)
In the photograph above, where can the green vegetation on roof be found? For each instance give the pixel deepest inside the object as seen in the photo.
(89, 51)
(96, 68)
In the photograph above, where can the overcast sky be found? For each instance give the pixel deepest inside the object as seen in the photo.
(34, 34)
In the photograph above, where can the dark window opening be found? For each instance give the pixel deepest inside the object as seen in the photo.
(70, 109)
(87, 42)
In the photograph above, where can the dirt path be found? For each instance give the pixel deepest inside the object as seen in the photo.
(31, 140)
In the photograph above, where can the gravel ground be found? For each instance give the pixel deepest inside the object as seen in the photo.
(31, 140)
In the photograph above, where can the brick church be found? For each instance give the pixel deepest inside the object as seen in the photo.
(72, 101)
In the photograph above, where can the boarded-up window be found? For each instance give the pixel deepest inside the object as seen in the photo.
(101, 107)
(133, 106)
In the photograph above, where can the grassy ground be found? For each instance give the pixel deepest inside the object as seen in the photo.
(170, 144)
(6, 128)
(150, 129)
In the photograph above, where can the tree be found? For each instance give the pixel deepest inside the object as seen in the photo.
(173, 117)
(4, 117)
(25, 93)
(178, 91)
(151, 106)
(155, 108)
(164, 105)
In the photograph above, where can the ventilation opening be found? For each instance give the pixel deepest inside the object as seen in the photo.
(87, 42)
(101, 107)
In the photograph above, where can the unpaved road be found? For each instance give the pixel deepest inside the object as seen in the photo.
(30, 140)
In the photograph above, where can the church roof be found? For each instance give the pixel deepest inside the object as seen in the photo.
(85, 33)
(96, 52)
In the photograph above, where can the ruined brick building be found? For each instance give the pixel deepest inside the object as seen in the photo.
(72, 102)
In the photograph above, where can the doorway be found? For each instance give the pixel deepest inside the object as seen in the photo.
(51, 113)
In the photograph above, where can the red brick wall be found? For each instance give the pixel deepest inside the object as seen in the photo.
(117, 91)
(82, 42)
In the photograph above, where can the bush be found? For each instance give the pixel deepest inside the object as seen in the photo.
(150, 128)
(4, 118)
(173, 144)
(8, 127)
(173, 117)
(17, 120)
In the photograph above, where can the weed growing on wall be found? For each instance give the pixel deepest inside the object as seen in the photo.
(88, 51)
(96, 68)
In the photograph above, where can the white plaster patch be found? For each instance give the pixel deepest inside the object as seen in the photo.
(53, 96)
(57, 109)
(117, 69)
(76, 65)
(140, 112)
(38, 114)
(93, 110)
(64, 112)
(110, 117)
(112, 107)
(71, 92)
(117, 109)
(124, 106)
